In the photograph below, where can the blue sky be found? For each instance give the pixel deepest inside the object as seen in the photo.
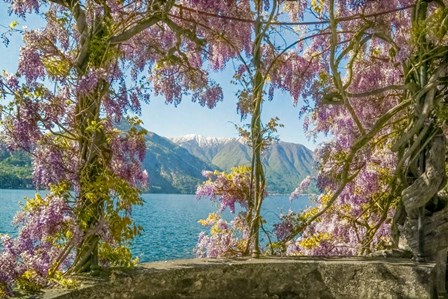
(187, 117)
(191, 118)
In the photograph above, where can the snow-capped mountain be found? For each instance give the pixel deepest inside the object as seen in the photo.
(285, 163)
(203, 141)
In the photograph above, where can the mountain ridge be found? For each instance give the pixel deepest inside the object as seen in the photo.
(286, 163)
(202, 140)
(175, 164)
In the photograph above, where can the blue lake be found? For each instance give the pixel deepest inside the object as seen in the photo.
(170, 221)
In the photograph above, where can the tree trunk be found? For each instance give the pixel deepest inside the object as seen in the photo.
(426, 225)
(257, 138)
(94, 157)
(94, 150)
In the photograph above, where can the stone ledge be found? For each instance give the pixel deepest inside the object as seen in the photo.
(263, 278)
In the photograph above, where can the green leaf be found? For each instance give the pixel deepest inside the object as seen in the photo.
(13, 24)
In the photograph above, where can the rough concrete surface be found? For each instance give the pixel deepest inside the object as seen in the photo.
(263, 278)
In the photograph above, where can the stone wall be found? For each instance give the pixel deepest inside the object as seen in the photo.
(263, 278)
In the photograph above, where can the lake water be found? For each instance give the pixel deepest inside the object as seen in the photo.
(170, 221)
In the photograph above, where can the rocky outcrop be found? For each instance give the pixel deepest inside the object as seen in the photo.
(264, 278)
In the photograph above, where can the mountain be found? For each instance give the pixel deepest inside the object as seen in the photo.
(205, 148)
(286, 164)
(171, 168)
(175, 165)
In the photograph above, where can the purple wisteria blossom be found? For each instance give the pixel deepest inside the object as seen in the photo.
(229, 190)
(33, 251)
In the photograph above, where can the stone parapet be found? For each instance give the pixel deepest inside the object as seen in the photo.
(263, 278)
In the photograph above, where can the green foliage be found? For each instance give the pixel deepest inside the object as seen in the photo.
(116, 256)
(15, 170)
(101, 52)
(28, 281)
(66, 282)
(13, 24)
(268, 132)
(56, 67)
(117, 197)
